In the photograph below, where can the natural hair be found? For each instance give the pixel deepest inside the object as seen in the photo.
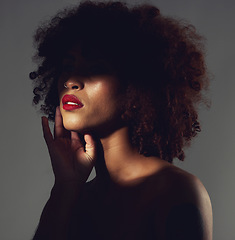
(160, 60)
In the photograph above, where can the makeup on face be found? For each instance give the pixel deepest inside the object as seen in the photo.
(71, 102)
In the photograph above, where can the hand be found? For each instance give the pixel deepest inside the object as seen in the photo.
(71, 162)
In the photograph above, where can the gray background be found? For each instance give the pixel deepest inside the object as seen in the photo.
(25, 171)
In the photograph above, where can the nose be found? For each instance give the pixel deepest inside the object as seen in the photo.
(73, 84)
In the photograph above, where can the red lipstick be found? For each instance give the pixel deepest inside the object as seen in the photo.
(71, 102)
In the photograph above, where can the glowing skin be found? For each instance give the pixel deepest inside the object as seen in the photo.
(94, 105)
(100, 96)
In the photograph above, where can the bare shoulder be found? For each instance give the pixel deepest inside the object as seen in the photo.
(186, 185)
(177, 183)
(185, 206)
(181, 186)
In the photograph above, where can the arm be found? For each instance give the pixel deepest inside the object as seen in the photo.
(71, 165)
(186, 211)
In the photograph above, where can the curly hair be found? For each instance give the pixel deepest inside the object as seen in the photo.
(160, 60)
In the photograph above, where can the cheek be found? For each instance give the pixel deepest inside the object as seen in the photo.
(105, 92)
(108, 104)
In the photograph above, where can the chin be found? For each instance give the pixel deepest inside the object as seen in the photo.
(72, 124)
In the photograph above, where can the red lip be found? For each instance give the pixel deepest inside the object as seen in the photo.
(71, 102)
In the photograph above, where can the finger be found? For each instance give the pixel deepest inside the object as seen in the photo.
(74, 136)
(90, 146)
(58, 128)
(76, 141)
(46, 131)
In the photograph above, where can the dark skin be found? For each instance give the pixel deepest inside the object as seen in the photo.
(132, 196)
(151, 208)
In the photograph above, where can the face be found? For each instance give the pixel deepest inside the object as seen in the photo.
(90, 101)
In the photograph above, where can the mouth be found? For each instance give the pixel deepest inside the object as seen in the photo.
(71, 102)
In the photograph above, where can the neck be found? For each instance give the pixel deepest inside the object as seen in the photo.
(123, 162)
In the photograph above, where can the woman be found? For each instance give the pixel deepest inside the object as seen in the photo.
(122, 85)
